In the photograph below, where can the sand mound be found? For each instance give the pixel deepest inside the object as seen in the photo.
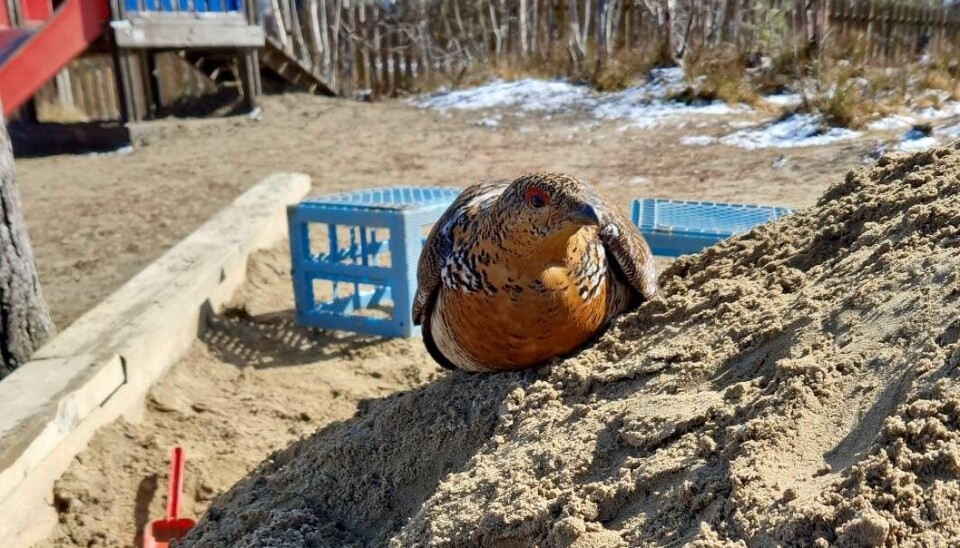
(797, 386)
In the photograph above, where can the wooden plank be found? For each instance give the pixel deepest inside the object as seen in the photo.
(185, 33)
(44, 402)
(102, 366)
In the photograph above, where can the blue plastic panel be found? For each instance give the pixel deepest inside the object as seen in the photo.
(675, 227)
(398, 197)
(352, 252)
(199, 6)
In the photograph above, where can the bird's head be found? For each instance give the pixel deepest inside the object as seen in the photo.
(548, 207)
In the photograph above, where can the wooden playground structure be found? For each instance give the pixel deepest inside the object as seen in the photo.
(220, 40)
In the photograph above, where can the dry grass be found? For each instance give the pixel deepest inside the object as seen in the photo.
(622, 70)
(842, 82)
(842, 106)
(717, 76)
(941, 80)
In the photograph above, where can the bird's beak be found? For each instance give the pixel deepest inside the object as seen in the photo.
(584, 215)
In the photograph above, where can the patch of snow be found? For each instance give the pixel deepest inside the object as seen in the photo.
(488, 122)
(643, 106)
(122, 151)
(648, 114)
(915, 139)
(912, 145)
(951, 131)
(797, 130)
(528, 94)
(784, 99)
(896, 121)
(697, 140)
(948, 109)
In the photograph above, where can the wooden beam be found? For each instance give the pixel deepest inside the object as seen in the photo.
(182, 33)
(103, 365)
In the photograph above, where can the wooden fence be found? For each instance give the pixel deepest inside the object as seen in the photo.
(391, 48)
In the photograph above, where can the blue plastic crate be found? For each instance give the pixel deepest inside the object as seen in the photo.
(194, 6)
(351, 258)
(675, 227)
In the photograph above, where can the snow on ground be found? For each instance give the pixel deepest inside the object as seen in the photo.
(894, 122)
(796, 130)
(915, 140)
(645, 105)
(697, 140)
(648, 106)
(527, 94)
(947, 109)
(951, 131)
(784, 99)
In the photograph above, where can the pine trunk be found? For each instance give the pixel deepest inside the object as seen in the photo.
(25, 321)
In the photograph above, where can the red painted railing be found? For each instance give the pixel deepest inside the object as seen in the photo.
(56, 40)
(35, 11)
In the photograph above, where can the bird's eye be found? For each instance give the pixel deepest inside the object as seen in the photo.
(536, 198)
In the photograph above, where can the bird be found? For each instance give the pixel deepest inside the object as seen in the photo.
(515, 273)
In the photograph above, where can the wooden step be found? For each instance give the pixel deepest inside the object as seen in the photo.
(275, 58)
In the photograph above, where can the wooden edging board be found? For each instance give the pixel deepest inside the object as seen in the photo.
(102, 365)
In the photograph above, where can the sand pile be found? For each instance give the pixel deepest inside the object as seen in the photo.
(797, 386)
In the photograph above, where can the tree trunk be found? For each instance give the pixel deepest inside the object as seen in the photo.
(601, 36)
(25, 321)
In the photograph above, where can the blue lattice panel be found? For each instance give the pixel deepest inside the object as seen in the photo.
(675, 227)
(354, 257)
(183, 6)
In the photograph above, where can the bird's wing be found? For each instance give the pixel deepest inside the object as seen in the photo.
(623, 241)
(440, 242)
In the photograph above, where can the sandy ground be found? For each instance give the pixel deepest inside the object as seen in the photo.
(95, 221)
(795, 386)
(256, 382)
(252, 384)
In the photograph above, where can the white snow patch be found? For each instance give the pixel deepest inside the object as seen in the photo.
(797, 130)
(491, 122)
(122, 151)
(784, 99)
(948, 109)
(896, 121)
(641, 112)
(697, 140)
(912, 145)
(645, 105)
(528, 94)
(951, 131)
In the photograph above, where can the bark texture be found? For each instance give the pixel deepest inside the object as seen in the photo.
(25, 321)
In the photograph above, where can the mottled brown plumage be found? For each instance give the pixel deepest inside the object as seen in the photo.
(515, 273)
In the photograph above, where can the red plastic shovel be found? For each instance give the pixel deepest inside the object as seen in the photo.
(159, 533)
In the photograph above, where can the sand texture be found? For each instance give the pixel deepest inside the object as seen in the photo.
(796, 386)
(254, 382)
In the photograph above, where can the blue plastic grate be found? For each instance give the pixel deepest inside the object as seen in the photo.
(675, 227)
(401, 197)
(185, 6)
(375, 272)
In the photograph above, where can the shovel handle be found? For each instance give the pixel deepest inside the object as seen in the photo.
(176, 483)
